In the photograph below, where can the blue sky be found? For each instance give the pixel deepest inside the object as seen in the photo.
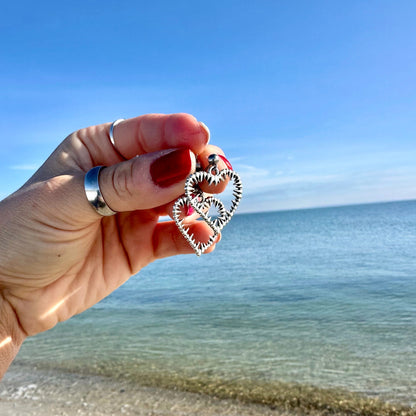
(314, 102)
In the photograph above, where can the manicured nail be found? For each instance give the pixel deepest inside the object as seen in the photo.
(171, 167)
(190, 210)
(225, 160)
(206, 129)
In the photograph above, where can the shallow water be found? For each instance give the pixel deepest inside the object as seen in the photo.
(323, 297)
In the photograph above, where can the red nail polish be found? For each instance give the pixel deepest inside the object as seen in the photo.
(171, 168)
(190, 210)
(225, 160)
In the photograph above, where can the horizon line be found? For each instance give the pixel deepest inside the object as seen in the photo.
(351, 204)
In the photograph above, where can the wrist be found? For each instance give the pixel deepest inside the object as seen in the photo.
(11, 335)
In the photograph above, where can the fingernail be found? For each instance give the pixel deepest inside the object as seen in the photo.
(225, 160)
(206, 129)
(171, 167)
(190, 211)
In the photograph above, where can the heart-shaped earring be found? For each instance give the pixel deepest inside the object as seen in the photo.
(198, 246)
(213, 176)
(201, 202)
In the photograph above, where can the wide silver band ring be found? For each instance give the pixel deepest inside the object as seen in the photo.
(111, 134)
(93, 192)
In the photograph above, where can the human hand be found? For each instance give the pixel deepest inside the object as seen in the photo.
(58, 256)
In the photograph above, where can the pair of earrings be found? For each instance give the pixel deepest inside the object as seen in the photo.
(201, 202)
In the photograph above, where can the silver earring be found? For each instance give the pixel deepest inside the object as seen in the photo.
(194, 197)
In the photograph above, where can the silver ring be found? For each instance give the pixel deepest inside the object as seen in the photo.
(93, 192)
(113, 124)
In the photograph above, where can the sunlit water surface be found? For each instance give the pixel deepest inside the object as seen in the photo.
(324, 297)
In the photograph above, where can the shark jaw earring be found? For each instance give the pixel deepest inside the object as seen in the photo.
(201, 202)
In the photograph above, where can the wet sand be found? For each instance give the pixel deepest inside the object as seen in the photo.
(28, 391)
(48, 392)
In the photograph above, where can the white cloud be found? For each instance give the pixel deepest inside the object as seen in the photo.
(303, 190)
(252, 171)
(258, 180)
(27, 166)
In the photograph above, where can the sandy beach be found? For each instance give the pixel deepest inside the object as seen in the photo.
(26, 391)
(49, 392)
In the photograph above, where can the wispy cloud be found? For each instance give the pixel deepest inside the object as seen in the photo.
(288, 190)
(258, 180)
(27, 166)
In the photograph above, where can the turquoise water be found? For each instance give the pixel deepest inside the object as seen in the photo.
(325, 297)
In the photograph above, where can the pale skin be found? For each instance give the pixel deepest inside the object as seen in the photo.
(58, 257)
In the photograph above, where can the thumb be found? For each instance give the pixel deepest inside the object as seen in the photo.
(147, 181)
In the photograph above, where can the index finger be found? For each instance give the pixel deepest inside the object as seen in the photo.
(154, 132)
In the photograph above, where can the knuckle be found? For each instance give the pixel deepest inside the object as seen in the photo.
(122, 183)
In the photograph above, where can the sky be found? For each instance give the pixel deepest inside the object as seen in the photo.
(313, 102)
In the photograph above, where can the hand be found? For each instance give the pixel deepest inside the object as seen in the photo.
(58, 256)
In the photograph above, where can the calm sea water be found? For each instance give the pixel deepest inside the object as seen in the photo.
(324, 297)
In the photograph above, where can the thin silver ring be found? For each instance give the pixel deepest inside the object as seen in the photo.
(114, 124)
(93, 192)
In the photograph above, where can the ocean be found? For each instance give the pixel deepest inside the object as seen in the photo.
(306, 300)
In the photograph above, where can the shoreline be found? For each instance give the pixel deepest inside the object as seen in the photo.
(55, 392)
(39, 391)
